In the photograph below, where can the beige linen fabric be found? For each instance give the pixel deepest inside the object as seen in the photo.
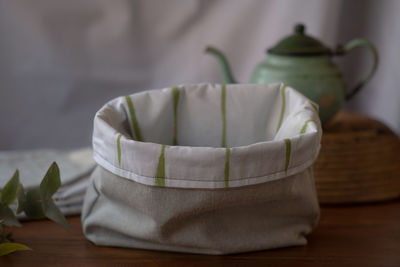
(119, 212)
(211, 169)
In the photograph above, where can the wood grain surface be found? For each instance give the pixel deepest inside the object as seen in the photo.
(347, 235)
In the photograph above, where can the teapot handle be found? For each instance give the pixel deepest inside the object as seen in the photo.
(360, 43)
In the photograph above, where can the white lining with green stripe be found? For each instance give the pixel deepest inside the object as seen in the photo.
(161, 176)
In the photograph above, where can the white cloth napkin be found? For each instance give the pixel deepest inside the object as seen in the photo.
(75, 168)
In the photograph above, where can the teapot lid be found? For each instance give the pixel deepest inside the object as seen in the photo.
(299, 44)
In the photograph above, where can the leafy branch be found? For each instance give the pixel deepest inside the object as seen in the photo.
(36, 203)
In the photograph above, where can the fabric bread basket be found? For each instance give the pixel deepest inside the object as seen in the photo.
(204, 168)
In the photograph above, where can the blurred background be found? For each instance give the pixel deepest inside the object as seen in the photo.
(60, 61)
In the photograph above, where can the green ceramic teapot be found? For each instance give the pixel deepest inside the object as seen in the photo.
(305, 64)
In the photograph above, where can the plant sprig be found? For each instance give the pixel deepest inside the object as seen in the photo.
(36, 203)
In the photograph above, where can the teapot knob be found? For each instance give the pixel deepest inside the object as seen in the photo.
(299, 28)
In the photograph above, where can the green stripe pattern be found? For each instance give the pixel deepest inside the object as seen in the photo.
(288, 151)
(119, 149)
(315, 107)
(135, 123)
(283, 106)
(304, 128)
(223, 112)
(160, 175)
(226, 173)
(175, 96)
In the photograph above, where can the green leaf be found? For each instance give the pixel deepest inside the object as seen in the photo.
(51, 182)
(33, 204)
(53, 213)
(7, 215)
(9, 192)
(7, 248)
(21, 198)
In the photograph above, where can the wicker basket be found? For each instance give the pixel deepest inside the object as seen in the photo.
(359, 161)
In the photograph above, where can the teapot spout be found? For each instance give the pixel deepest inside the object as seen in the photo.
(226, 70)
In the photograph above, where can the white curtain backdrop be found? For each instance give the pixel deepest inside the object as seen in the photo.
(60, 61)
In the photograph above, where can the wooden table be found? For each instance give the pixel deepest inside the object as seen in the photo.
(351, 235)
